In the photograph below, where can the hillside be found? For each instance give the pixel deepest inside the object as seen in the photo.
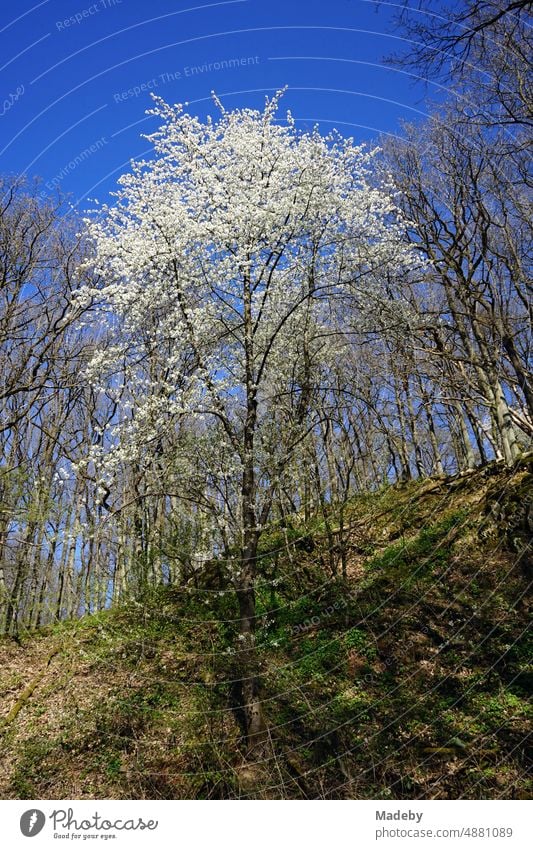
(405, 678)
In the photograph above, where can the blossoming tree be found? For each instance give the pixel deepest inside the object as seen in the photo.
(233, 256)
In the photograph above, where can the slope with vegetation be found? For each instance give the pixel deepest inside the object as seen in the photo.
(405, 677)
(264, 423)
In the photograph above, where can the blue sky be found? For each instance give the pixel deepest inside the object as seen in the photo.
(76, 75)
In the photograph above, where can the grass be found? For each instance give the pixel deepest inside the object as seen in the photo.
(409, 679)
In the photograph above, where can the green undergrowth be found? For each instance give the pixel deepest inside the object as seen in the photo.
(405, 677)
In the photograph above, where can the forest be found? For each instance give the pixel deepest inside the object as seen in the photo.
(266, 423)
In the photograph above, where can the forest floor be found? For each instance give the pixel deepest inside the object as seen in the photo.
(405, 678)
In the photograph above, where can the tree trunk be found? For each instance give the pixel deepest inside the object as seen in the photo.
(250, 704)
(254, 725)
